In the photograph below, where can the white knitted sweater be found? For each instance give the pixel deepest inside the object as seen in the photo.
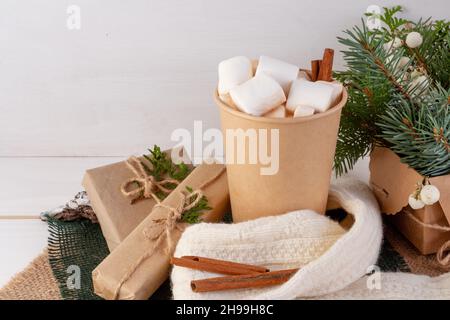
(333, 262)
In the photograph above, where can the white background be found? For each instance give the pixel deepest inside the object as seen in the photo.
(134, 72)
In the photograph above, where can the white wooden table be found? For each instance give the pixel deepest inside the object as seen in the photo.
(31, 185)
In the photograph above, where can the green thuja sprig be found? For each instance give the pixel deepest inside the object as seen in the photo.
(194, 214)
(179, 172)
(392, 23)
(161, 167)
(160, 164)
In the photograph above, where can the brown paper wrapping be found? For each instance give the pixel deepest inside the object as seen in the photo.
(306, 153)
(153, 271)
(392, 182)
(116, 215)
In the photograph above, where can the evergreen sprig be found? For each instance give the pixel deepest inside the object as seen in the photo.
(371, 80)
(162, 166)
(385, 106)
(194, 214)
(433, 54)
(392, 23)
(420, 136)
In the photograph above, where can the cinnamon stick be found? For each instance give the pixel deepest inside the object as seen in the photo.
(217, 266)
(242, 281)
(326, 69)
(315, 67)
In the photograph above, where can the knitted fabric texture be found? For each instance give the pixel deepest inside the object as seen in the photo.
(329, 257)
(396, 286)
(333, 262)
(272, 242)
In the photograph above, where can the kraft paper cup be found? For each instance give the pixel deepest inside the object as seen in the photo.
(306, 154)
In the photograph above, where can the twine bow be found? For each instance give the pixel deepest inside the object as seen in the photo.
(165, 226)
(147, 184)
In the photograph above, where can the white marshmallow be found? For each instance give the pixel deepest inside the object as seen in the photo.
(233, 72)
(303, 111)
(226, 98)
(254, 66)
(284, 73)
(303, 75)
(278, 112)
(258, 95)
(316, 95)
(337, 89)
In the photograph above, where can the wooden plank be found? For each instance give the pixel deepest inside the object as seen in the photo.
(20, 242)
(138, 70)
(135, 72)
(31, 185)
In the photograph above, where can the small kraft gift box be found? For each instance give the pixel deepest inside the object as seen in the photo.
(122, 193)
(141, 263)
(393, 182)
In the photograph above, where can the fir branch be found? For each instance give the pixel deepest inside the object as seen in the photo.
(433, 55)
(420, 136)
(371, 80)
(385, 106)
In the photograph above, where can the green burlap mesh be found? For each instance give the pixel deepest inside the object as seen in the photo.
(81, 243)
(390, 260)
(76, 243)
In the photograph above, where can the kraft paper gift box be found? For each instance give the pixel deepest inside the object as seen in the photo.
(392, 182)
(116, 215)
(141, 263)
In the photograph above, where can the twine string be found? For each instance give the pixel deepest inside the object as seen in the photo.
(147, 184)
(442, 257)
(162, 228)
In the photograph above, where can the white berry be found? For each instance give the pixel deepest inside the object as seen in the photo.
(420, 81)
(393, 44)
(414, 39)
(415, 203)
(402, 62)
(396, 42)
(430, 194)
